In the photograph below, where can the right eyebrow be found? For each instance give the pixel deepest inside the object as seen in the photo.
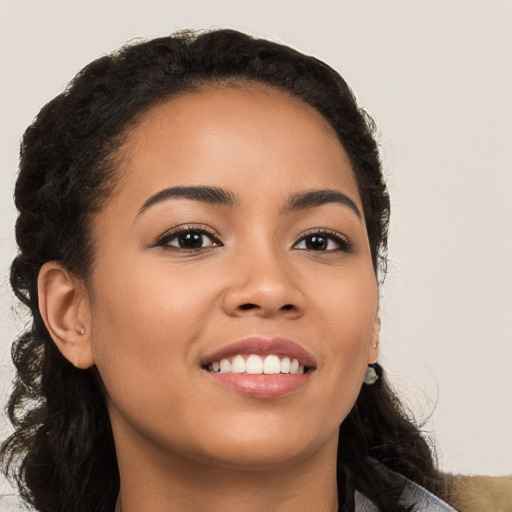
(204, 194)
(314, 198)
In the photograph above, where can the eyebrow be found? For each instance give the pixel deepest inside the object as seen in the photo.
(211, 195)
(223, 197)
(314, 198)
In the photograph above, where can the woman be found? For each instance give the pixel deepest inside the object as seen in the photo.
(202, 224)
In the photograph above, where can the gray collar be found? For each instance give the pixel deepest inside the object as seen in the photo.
(413, 494)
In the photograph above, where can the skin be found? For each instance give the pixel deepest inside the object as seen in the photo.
(149, 314)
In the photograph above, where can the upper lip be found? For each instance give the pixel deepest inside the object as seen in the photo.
(262, 346)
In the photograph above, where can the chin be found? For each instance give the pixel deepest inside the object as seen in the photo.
(265, 449)
(260, 458)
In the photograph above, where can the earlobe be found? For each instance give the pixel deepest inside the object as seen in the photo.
(63, 307)
(374, 348)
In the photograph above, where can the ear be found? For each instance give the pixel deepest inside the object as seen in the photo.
(63, 307)
(374, 348)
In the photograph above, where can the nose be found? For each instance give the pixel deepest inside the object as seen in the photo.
(264, 284)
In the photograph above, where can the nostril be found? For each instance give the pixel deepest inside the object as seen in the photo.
(245, 307)
(249, 306)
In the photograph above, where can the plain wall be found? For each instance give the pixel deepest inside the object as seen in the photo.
(437, 77)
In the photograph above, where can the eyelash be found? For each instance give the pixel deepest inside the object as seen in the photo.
(341, 241)
(343, 244)
(166, 238)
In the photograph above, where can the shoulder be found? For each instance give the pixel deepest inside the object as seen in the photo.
(412, 495)
(481, 493)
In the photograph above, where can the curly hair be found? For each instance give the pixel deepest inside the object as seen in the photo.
(62, 453)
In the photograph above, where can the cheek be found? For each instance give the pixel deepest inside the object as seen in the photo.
(347, 307)
(143, 321)
(147, 298)
(346, 310)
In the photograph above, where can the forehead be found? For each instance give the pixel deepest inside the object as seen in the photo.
(249, 138)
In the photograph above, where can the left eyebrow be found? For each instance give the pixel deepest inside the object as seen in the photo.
(314, 198)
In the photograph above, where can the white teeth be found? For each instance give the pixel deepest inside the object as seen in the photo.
(238, 365)
(294, 366)
(225, 366)
(271, 365)
(255, 365)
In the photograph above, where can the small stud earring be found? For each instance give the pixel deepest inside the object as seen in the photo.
(81, 331)
(370, 375)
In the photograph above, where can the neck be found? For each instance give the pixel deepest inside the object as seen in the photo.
(157, 481)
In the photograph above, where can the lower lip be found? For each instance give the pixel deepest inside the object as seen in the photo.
(261, 386)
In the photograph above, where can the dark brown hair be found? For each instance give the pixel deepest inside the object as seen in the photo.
(62, 452)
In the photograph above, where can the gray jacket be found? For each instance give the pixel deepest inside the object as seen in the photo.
(413, 494)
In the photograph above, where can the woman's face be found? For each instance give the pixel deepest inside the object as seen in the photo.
(235, 233)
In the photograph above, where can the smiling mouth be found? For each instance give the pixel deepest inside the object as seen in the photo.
(261, 367)
(254, 364)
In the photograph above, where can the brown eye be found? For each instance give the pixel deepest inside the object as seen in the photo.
(323, 241)
(316, 243)
(189, 240)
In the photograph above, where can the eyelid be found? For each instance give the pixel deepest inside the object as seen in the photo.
(343, 242)
(163, 239)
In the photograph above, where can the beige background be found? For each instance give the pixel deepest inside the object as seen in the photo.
(437, 76)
